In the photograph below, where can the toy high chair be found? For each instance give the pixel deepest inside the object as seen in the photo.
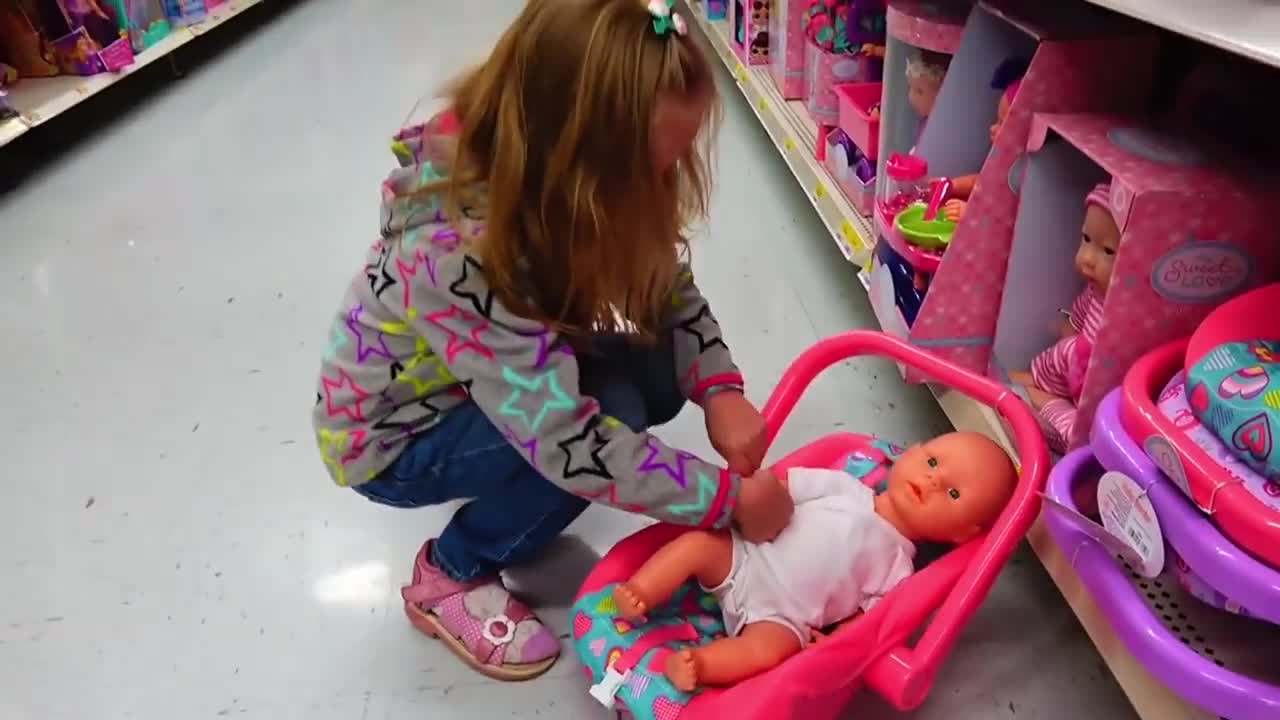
(818, 682)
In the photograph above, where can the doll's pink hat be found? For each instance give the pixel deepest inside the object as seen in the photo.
(1100, 195)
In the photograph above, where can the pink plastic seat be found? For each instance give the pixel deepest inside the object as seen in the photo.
(820, 681)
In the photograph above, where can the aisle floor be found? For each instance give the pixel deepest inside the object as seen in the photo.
(172, 546)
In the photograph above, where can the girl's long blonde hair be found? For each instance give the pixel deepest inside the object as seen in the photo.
(581, 231)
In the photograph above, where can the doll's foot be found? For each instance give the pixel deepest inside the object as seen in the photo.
(682, 670)
(630, 604)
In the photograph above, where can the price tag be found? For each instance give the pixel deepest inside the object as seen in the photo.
(789, 143)
(740, 72)
(764, 103)
(820, 190)
(851, 236)
(1127, 513)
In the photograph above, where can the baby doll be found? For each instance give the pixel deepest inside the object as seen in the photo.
(925, 74)
(1056, 377)
(1008, 78)
(846, 547)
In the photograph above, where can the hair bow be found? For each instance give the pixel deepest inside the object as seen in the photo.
(665, 19)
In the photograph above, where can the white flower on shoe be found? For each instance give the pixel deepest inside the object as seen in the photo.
(499, 630)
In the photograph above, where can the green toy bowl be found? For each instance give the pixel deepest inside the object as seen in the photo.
(928, 234)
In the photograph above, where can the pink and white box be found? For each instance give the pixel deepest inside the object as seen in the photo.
(1196, 228)
(823, 71)
(786, 47)
(1079, 60)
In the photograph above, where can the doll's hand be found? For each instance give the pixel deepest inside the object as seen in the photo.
(737, 431)
(953, 210)
(764, 507)
(962, 186)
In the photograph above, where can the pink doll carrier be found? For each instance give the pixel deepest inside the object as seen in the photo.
(820, 681)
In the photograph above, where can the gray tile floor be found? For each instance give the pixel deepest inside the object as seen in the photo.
(171, 545)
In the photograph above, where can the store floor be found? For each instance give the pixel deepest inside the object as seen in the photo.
(172, 547)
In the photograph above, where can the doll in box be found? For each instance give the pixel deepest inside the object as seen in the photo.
(1007, 79)
(845, 548)
(925, 74)
(1056, 377)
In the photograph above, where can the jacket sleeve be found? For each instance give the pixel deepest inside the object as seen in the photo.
(526, 382)
(704, 365)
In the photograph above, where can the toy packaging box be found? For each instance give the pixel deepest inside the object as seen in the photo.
(144, 21)
(717, 9)
(750, 25)
(184, 12)
(1195, 229)
(913, 26)
(77, 37)
(787, 47)
(823, 71)
(1077, 59)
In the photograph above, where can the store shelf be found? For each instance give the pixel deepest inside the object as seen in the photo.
(1250, 28)
(796, 135)
(39, 99)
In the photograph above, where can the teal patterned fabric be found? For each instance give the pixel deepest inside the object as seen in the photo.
(1231, 392)
(601, 638)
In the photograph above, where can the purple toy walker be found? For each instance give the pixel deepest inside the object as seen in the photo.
(1222, 662)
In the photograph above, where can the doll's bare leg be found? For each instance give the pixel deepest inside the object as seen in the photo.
(1022, 377)
(705, 555)
(1039, 398)
(760, 647)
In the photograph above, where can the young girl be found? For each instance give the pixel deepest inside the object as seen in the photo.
(525, 317)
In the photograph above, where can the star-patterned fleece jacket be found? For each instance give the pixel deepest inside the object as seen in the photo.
(419, 333)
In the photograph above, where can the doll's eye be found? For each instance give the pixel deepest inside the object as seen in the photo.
(933, 462)
(954, 493)
(1109, 251)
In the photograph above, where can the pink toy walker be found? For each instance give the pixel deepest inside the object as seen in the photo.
(820, 681)
(1234, 509)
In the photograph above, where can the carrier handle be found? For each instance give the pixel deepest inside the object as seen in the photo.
(904, 674)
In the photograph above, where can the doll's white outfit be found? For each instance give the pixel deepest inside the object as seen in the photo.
(837, 557)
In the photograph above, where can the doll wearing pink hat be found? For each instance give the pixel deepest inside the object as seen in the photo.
(1054, 383)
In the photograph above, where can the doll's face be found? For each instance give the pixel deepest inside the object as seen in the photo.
(760, 13)
(1099, 242)
(950, 488)
(1002, 112)
(922, 92)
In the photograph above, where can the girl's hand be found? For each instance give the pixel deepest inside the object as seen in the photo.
(953, 210)
(764, 507)
(737, 431)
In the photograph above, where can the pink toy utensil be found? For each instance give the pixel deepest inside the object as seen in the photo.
(940, 190)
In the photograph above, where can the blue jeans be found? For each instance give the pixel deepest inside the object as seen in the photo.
(514, 512)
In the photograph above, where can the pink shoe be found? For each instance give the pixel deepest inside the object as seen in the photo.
(481, 622)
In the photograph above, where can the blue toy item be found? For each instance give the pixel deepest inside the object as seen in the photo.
(1234, 390)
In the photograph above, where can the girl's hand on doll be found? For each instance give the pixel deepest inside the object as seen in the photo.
(953, 210)
(737, 431)
(764, 507)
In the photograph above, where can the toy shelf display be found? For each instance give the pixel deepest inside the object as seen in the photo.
(1103, 70)
(36, 100)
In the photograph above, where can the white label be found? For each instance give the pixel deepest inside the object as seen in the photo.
(1112, 543)
(1128, 515)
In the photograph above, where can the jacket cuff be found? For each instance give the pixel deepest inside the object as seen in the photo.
(720, 514)
(715, 384)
